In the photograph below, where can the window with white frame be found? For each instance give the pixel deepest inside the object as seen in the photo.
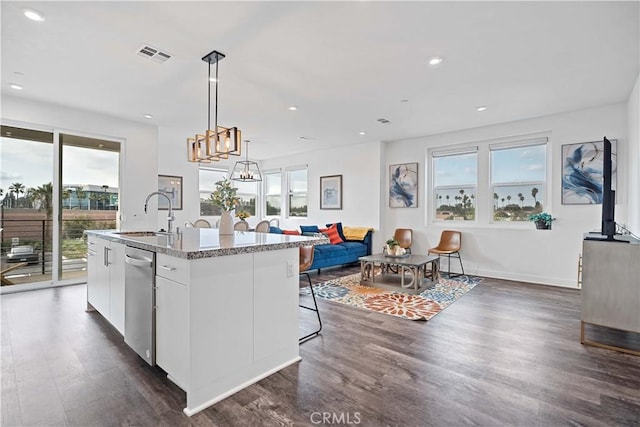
(297, 192)
(248, 194)
(273, 193)
(207, 183)
(455, 180)
(518, 179)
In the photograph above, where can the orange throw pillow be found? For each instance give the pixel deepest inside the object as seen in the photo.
(333, 234)
(291, 232)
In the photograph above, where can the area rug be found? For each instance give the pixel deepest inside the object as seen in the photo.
(347, 290)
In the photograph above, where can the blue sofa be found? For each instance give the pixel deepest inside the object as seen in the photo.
(346, 252)
(331, 255)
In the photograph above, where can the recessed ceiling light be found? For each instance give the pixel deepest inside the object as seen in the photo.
(293, 108)
(15, 86)
(436, 60)
(33, 15)
(482, 108)
(362, 132)
(148, 116)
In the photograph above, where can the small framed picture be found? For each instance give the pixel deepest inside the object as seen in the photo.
(331, 192)
(172, 187)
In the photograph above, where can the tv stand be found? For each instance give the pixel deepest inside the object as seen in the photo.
(604, 238)
(611, 287)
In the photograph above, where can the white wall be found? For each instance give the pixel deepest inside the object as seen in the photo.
(633, 123)
(359, 165)
(518, 251)
(138, 154)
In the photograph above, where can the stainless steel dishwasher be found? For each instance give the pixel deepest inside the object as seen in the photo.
(139, 303)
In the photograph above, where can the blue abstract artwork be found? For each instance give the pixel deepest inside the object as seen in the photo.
(403, 185)
(582, 172)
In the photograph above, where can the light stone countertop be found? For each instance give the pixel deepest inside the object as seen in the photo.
(194, 243)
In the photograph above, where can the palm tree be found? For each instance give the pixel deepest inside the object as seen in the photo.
(66, 195)
(508, 199)
(534, 192)
(447, 197)
(94, 197)
(521, 197)
(81, 195)
(496, 198)
(17, 188)
(44, 195)
(29, 195)
(502, 201)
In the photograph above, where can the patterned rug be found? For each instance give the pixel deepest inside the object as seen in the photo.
(347, 290)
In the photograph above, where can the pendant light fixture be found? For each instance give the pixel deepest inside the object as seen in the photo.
(219, 142)
(246, 170)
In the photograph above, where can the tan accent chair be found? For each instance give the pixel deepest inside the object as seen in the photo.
(450, 244)
(404, 236)
(262, 227)
(202, 223)
(306, 259)
(241, 226)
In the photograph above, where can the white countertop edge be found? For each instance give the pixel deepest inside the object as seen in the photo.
(288, 241)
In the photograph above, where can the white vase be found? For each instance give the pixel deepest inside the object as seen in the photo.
(226, 224)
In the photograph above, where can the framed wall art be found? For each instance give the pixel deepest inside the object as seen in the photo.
(172, 187)
(582, 172)
(403, 185)
(331, 192)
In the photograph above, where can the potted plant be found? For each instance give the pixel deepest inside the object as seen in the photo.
(224, 196)
(542, 220)
(393, 248)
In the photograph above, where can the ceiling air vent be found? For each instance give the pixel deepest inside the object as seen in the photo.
(154, 54)
(384, 121)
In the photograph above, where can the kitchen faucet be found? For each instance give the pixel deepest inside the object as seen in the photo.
(170, 216)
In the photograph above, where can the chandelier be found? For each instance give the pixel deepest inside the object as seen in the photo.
(246, 170)
(219, 142)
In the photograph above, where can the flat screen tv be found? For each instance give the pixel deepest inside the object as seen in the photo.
(608, 195)
(608, 229)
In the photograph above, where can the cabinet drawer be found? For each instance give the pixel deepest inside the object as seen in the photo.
(172, 268)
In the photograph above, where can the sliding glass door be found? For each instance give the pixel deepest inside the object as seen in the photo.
(52, 188)
(26, 206)
(88, 197)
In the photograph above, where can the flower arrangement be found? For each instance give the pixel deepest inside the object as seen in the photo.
(243, 215)
(225, 195)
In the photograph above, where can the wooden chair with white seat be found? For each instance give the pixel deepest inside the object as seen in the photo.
(202, 223)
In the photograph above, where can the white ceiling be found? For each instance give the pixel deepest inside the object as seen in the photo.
(343, 64)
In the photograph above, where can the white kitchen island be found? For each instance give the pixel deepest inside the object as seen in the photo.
(226, 307)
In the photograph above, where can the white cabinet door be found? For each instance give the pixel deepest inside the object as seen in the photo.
(98, 292)
(116, 278)
(172, 333)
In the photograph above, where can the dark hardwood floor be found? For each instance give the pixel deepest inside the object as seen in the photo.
(506, 353)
